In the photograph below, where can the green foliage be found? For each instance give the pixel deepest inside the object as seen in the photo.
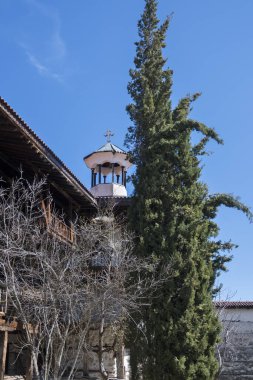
(172, 215)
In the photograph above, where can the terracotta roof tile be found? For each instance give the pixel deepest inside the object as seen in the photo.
(234, 304)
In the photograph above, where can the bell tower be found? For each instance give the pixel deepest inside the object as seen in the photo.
(109, 165)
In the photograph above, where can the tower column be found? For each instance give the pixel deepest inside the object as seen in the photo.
(99, 173)
(92, 177)
(122, 175)
(112, 173)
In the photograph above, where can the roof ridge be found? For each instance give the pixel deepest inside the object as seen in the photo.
(233, 304)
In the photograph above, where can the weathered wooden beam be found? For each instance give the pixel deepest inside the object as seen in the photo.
(65, 194)
(8, 162)
(7, 328)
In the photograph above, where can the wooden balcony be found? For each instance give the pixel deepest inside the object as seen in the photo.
(57, 226)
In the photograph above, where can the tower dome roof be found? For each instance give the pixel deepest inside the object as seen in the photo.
(109, 147)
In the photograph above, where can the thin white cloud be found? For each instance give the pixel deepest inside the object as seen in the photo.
(50, 62)
(58, 44)
(42, 69)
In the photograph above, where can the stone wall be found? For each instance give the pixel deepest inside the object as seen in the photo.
(115, 357)
(109, 357)
(237, 348)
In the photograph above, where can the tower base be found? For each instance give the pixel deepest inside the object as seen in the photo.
(109, 190)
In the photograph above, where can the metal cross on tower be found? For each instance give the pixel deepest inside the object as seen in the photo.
(108, 135)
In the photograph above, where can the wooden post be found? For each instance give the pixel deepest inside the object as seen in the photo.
(3, 352)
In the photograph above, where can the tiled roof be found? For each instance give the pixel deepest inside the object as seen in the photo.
(109, 147)
(51, 156)
(234, 304)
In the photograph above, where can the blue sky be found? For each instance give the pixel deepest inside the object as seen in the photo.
(64, 68)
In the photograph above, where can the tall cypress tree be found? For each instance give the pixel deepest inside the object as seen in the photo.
(172, 215)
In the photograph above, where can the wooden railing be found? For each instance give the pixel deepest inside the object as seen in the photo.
(65, 232)
(57, 226)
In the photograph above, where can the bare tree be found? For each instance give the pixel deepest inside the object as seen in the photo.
(68, 297)
(122, 282)
(226, 350)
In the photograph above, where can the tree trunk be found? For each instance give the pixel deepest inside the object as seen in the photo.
(120, 361)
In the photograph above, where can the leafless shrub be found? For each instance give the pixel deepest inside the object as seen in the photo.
(60, 292)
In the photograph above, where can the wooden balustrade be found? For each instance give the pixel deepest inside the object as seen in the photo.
(62, 230)
(57, 225)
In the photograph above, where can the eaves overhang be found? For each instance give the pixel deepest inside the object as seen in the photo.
(45, 153)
